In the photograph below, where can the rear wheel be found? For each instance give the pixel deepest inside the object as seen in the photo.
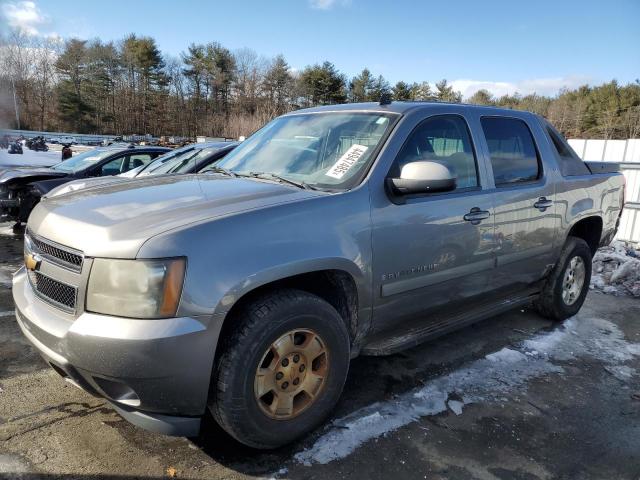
(282, 369)
(566, 288)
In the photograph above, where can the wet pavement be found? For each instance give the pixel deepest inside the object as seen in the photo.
(513, 397)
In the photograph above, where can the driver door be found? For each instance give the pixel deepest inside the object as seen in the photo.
(434, 249)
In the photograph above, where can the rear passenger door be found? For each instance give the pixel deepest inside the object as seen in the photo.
(524, 194)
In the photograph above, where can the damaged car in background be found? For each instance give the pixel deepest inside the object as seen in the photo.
(188, 159)
(22, 188)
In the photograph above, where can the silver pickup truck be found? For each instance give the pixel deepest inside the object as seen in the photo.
(333, 232)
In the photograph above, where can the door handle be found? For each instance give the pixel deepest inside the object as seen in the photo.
(475, 216)
(543, 203)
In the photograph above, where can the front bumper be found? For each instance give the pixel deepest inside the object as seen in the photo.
(155, 372)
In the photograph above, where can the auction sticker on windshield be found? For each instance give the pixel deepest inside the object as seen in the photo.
(346, 161)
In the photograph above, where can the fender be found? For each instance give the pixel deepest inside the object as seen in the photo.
(284, 271)
(281, 272)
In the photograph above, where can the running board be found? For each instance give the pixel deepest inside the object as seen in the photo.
(423, 329)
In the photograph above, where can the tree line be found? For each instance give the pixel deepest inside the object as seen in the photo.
(130, 87)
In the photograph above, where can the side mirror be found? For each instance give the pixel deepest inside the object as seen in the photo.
(424, 177)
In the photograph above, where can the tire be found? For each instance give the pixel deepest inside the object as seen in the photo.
(236, 384)
(552, 304)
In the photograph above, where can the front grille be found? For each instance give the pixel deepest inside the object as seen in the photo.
(56, 292)
(57, 254)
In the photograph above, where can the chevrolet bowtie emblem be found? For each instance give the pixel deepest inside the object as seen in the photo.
(32, 261)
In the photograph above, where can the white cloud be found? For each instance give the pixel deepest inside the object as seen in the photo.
(327, 4)
(541, 86)
(24, 16)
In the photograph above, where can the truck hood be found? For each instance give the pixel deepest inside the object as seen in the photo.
(115, 220)
(29, 174)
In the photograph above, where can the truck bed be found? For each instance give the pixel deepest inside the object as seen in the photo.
(603, 167)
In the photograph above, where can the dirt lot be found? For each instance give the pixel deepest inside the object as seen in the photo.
(511, 398)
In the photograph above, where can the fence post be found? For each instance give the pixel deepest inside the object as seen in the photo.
(624, 154)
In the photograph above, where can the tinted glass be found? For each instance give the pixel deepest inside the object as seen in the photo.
(444, 139)
(169, 156)
(137, 160)
(112, 168)
(570, 163)
(562, 149)
(180, 163)
(513, 154)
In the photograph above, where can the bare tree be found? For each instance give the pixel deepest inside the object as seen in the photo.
(45, 53)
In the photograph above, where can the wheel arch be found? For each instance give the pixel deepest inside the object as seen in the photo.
(588, 229)
(339, 286)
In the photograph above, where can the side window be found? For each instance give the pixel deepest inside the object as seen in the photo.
(112, 168)
(444, 139)
(136, 160)
(513, 153)
(570, 163)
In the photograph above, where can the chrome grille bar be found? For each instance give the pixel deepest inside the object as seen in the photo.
(59, 254)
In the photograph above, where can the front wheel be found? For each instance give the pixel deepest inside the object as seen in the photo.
(282, 370)
(566, 287)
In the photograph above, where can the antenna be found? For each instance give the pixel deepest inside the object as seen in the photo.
(385, 99)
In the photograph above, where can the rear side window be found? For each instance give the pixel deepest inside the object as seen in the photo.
(138, 160)
(514, 157)
(570, 163)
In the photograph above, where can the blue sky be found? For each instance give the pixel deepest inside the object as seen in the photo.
(501, 45)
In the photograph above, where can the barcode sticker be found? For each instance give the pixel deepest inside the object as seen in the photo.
(346, 161)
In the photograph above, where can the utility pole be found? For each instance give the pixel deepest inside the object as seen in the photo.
(15, 101)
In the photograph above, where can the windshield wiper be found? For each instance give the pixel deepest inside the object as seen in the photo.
(279, 178)
(222, 170)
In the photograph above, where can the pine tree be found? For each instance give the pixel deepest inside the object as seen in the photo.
(74, 111)
(380, 88)
(402, 92)
(361, 86)
(422, 92)
(278, 84)
(323, 85)
(445, 92)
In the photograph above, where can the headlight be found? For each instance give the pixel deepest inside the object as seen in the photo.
(135, 288)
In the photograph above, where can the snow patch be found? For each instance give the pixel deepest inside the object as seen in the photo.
(489, 379)
(505, 355)
(455, 406)
(29, 158)
(616, 270)
(6, 275)
(621, 372)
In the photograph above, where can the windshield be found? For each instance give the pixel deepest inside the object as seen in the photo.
(81, 161)
(178, 163)
(167, 157)
(323, 150)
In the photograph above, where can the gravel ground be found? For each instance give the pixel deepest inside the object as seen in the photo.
(513, 397)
